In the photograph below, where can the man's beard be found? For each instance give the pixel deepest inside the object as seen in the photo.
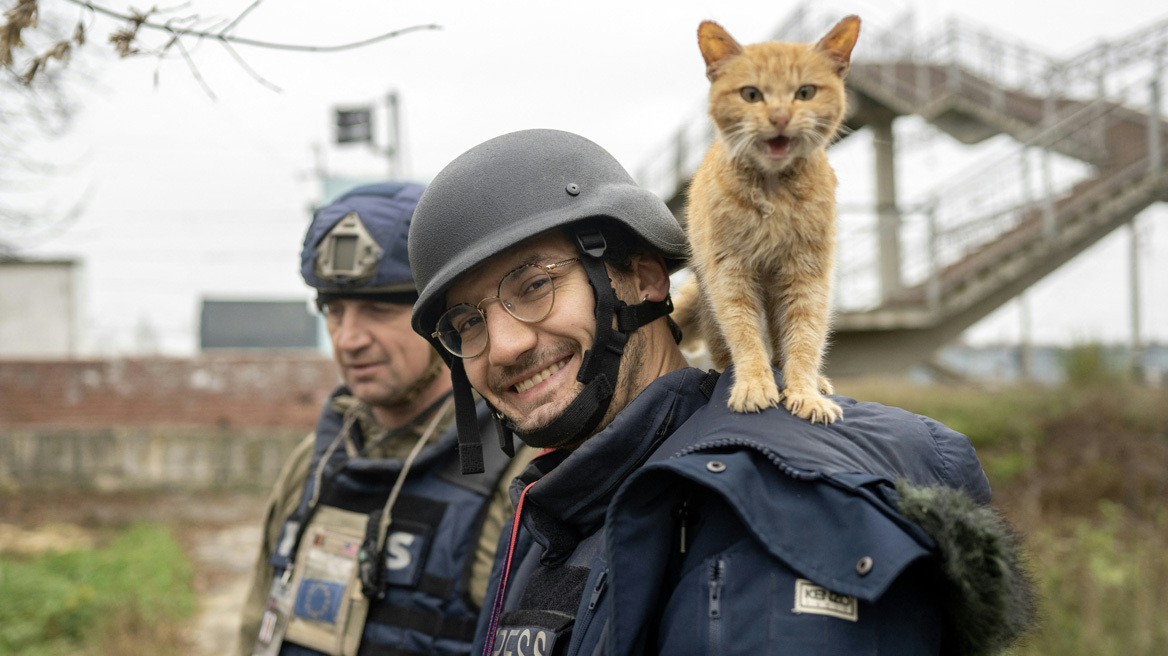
(626, 388)
(529, 361)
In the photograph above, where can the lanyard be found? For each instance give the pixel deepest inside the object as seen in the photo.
(321, 481)
(387, 511)
(497, 606)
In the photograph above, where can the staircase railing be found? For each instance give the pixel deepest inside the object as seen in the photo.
(1027, 187)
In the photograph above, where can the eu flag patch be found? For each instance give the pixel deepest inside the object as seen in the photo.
(318, 600)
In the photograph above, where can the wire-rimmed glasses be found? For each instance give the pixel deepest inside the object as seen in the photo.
(526, 293)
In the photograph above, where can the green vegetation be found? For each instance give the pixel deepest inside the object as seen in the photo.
(1104, 581)
(1082, 471)
(128, 596)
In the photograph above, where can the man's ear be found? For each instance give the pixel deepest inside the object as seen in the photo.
(650, 276)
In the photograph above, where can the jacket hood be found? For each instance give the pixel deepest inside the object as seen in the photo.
(990, 599)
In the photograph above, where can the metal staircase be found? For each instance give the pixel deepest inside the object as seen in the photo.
(979, 240)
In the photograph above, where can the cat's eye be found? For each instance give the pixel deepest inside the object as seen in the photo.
(806, 92)
(751, 94)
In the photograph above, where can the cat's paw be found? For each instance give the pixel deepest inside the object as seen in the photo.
(811, 406)
(753, 394)
(825, 387)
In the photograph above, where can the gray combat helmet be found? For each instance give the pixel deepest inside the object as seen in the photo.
(516, 186)
(505, 191)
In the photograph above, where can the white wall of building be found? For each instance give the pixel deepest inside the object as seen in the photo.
(38, 309)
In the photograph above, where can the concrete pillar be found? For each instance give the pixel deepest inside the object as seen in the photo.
(887, 211)
(1137, 340)
(1155, 148)
(1025, 340)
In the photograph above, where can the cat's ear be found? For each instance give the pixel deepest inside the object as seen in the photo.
(717, 46)
(838, 43)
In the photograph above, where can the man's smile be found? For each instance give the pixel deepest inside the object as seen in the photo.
(528, 383)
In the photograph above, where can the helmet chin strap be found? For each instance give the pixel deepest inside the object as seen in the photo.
(598, 370)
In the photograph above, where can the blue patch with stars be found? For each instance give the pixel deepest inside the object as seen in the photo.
(319, 600)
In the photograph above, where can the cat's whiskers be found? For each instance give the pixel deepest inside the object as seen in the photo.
(841, 131)
(822, 133)
(738, 141)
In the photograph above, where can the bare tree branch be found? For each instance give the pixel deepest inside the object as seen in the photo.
(140, 20)
(240, 17)
(125, 39)
(194, 69)
(249, 69)
(37, 39)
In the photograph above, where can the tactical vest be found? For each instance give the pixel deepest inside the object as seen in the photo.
(429, 550)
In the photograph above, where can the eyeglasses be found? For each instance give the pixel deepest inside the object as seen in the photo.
(527, 293)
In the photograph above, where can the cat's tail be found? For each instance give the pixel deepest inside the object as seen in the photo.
(687, 304)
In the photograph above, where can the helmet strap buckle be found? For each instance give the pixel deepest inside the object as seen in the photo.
(591, 241)
(506, 435)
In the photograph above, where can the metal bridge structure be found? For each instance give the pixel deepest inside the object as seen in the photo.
(1085, 149)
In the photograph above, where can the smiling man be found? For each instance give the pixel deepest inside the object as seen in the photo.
(656, 520)
(531, 371)
(374, 542)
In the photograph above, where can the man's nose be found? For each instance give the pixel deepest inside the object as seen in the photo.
(351, 333)
(507, 337)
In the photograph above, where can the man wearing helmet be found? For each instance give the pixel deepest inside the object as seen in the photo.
(655, 520)
(374, 541)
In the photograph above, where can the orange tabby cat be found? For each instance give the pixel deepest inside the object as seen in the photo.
(761, 217)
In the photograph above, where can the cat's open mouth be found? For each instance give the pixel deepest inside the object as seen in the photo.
(778, 147)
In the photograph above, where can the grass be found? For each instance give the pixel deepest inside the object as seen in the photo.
(129, 596)
(1082, 471)
(1105, 585)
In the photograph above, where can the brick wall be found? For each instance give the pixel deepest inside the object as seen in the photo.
(220, 391)
(222, 421)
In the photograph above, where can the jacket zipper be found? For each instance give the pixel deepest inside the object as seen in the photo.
(717, 573)
(684, 517)
(598, 589)
(593, 601)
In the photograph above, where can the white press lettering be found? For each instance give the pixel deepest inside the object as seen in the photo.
(523, 643)
(398, 548)
(500, 640)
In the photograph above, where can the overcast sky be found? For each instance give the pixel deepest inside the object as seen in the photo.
(192, 197)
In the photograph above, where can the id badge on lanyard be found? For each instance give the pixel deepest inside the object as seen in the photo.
(275, 621)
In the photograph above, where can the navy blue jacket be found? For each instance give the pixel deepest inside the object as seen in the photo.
(685, 528)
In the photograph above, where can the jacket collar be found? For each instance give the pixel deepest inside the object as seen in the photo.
(574, 488)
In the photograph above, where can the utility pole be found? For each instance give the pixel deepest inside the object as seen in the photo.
(1025, 341)
(393, 149)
